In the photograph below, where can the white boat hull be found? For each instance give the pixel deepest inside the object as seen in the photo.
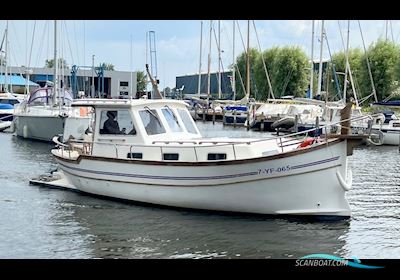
(42, 128)
(307, 183)
(391, 137)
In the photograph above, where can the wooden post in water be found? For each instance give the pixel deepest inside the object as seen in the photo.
(213, 116)
(204, 114)
(316, 126)
(262, 122)
(345, 114)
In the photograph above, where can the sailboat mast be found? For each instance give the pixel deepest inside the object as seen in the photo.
(320, 59)
(6, 60)
(248, 61)
(219, 59)
(130, 66)
(347, 62)
(312, 61)
(233, 63)
(201, 48)
(55, 64)
(209, 65)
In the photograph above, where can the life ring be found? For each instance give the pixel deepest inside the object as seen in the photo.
(307, 142)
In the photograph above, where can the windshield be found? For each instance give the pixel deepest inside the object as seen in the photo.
(151, 122)
(188, 121)
(171, 120)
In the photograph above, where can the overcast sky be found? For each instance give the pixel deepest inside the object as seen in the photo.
(177, 41)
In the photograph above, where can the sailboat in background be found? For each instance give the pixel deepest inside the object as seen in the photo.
(47, 111)
(7, 99)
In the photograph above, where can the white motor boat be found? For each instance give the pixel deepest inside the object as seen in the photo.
(151, 151)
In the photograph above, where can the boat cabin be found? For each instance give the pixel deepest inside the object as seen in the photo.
(159, 129)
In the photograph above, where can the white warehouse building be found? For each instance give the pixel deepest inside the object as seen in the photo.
(116, 84)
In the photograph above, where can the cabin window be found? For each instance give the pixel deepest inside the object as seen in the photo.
(170, 156)
(151, 122)
(171, 120)
(116, 122)
(187, 120)
(135, 155)
(216, 156)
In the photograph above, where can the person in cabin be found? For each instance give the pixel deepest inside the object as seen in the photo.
(111, 126)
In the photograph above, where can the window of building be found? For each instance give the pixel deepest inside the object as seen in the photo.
(117, 122)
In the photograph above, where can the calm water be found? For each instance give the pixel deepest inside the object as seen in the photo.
(38, 222)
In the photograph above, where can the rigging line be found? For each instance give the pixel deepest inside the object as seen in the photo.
(33, 36)
(391, 30)
(333, 68)
(347, 65)
(19, 45)
(264, 64)
(84, 42)
(76, 43)
(41, 44)
(241, 37)
(368, 64)
(26, 42)
(287, 81)
(236, 68)
(2, 41)
(219, 49)
(245, 52)
(69, 45)
(47, 54)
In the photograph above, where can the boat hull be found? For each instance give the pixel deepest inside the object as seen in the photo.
(309, 183)
(42, 128)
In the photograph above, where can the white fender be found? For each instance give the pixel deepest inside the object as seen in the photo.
(25, 131)
(345, 185)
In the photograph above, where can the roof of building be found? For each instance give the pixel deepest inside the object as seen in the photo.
(16, 80)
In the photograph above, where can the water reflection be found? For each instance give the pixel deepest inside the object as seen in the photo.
(124, 230)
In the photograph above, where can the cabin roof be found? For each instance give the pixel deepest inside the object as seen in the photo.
(118, 103)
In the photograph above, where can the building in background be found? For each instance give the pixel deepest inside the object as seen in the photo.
(117, 84)
(188, 84)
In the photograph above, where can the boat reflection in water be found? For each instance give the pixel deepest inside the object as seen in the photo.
(122, 230)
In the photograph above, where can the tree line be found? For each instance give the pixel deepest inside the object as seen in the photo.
(289, 72)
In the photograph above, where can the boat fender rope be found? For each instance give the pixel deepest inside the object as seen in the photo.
(345, 185)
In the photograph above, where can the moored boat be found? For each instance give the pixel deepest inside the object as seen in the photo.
(156, 154)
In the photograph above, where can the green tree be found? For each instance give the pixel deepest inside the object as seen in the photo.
(50, 63)
(338, 61)
(384, 59)
(107, 66)
(241, 62)
(288, 69)
(260, 75)
(290, 75)
(141, 79)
